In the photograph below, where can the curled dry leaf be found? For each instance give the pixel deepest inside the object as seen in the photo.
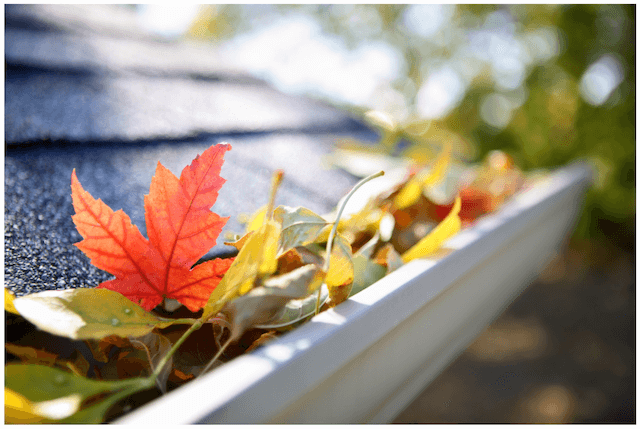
(263, 303)
(297, 310)
(300, 226)
(290, 260)
(368, 248)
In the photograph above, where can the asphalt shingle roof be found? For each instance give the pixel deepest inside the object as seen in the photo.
(85, 91)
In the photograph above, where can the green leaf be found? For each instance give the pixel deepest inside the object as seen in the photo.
(300, 226)
(41, 384)
(83, 314)
(366, 273)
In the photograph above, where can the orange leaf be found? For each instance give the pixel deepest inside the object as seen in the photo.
(115, 245)
(198, 283)
(179, 221)
(181, 229)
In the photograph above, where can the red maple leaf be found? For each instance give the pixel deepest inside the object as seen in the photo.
(181, 228)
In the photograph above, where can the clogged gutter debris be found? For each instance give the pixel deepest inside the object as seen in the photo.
(165, 319)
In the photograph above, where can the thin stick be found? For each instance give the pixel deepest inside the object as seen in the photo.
(222, 324)
(146, 349)
(335, 226)
(206, 368)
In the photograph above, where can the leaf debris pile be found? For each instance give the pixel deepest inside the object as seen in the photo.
(166, 319)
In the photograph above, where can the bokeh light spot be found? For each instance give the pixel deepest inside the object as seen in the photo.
(600, 80)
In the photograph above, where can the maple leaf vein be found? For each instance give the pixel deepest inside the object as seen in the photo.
(114, 238)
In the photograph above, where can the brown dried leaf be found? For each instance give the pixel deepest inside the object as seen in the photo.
(388, 257)
(264, 338)
(31, 355)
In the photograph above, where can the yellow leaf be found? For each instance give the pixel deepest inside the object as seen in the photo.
(339, 278)
(340, 263)
(269, 247)
(411, 192)
(432, 242)
(240, 242)
(8, 302)
(256, 259)
(257, 219)
(439, 168)
(367, 219)
(18, 409)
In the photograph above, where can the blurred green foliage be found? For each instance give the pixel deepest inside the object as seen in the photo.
(551, 126)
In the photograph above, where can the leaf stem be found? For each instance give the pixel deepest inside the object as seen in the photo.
(334, 230)
(275, 184)
(175, 347)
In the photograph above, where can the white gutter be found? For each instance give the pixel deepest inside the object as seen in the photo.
(367, 359)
